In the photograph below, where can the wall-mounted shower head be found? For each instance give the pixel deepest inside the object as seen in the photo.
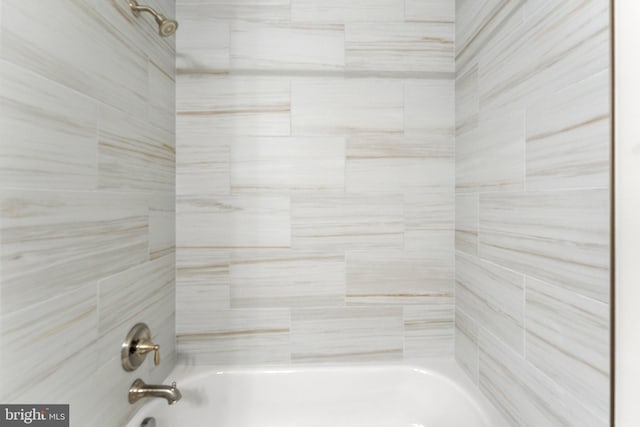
(166, 27)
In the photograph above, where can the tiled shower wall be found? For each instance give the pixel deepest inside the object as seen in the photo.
(86, 202)
(315, 180)
(532, 207)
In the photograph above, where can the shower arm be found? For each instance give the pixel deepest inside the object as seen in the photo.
(136, 9)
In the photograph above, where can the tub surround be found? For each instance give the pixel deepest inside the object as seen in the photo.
(315, 181)
(532, 207)
(86, 202)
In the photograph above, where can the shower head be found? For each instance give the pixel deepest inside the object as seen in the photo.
(166, 27)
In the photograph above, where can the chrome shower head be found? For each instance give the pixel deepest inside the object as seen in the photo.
(166, 27)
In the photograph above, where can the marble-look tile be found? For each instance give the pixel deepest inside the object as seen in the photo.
(428, 331)
(236, 105)
(228, 337)
(59, 328)
(429, 225)
(397, 277)
(282, 164)
(391, 163)
(285, 278)
(203, 40)
(477, 21)
(202, 280)
(346, 334)
(560, 44)
(491, 157)
(429, 109)
(202, 157)
(208, 11)
(400, 47)
(239, 221)
(273, 46)
(162, 99)
(162, 225)
(339, 11)
(467, 101)
(55, 242)
(493, 296)
(524, 395)
(144, 293)
(133, 155)
(48, 133)
(561, 237)
(568, 339)
(43, 39)
(467, 223)
(344, 105)
(466, 344)
(335, 222)
(139, 34)
(568, 137)
(430, 10)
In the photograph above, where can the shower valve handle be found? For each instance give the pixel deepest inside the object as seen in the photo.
(146, 346)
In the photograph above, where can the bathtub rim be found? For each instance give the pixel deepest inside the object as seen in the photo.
(444, 369)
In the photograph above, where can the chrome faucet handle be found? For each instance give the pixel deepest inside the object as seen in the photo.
(145, 346)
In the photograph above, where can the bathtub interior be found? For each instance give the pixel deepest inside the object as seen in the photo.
(437, 394)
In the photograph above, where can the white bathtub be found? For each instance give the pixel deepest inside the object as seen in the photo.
(433, 395)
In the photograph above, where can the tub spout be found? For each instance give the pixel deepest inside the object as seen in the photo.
(139, 389)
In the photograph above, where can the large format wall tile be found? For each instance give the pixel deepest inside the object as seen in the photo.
(236, 105)
(568, 137)
(570, 40)
(388, 163)
(467, 223)
(285, 278)
(134, 155)
(287, 46)
(430, 10)
(491, 157)
(252, 221)
(349, 333)
(88, 193)
(202, 160)
(210, 12)
(234, 336)
(532, 206)
(339, 106)
(561, 237)
(400, 47)
(48, 133)
(493, 297)
(76, 42)
(315, 143)
(59, 328)
(336, 222)
(202, 43)
(396, 277)
(466, 343)
(429, 109)
(281, 164)
(338, 11)
(428, 331)
(568, 339)
(54, 242)
(141, 294)
(524, 396)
